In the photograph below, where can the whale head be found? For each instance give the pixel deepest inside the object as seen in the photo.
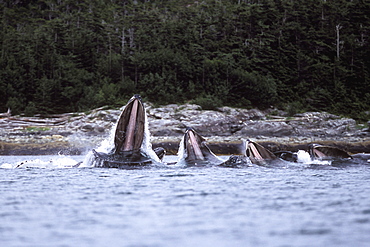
(130, 130)
(318, 151)
(257, 153)
(196, 150)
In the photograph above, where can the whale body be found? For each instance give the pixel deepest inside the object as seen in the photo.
(129, 149)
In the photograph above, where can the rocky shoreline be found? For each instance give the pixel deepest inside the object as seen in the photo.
(224, 129)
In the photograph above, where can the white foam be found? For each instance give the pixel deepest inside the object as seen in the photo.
(305, 158)
(181, 154)
(89, 160)
(146, 146)
(59, 162)
(7, 166)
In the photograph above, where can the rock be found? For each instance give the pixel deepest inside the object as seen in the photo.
(257, 128)
(87, 127)
(111, 117)
(317, 115)
(321, 127)
(243, 114)
(100, 129)
(167, 125)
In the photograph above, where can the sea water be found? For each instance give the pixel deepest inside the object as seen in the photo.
(48, 202)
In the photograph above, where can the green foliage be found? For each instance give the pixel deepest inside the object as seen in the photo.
(65, 56)
(14, 103)
(294, 108)
(30, 109)
(207, 102)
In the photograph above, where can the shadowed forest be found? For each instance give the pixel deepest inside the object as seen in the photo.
(298, 55)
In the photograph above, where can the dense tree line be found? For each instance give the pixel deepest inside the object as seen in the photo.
(64, 55)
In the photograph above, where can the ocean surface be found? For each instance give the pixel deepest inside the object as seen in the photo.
(44, 201)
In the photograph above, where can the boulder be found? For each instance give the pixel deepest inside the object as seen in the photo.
(225, 126)
(165, 127)
(264, 128)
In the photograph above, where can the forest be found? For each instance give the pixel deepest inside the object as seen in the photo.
(297, 55)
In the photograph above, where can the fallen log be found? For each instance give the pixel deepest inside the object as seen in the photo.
(5, 114)
(33, 120)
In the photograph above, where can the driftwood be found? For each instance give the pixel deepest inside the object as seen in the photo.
(56, 120)
(288, 119)
(6, 114)
(284, 119)
(7, 121)
(34, 120)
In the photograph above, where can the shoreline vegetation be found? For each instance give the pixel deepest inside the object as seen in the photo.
(224, 129)
(299, 56)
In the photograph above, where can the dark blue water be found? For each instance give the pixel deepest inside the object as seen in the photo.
(292, 205)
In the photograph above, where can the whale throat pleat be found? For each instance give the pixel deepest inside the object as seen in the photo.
(198, 153)
(130, 131)
(255, 152)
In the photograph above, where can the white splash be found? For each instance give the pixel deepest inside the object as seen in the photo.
(146, 146)
(7, 166)
(181, 154)
(243, 147)
(106, 146)
(305, 158)
(59, 162)
(88, 161)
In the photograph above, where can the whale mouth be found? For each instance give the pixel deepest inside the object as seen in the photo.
(193, 143)
(130, 148)
(130, 128)
(318, 151)
(258, 154)
(196, 149)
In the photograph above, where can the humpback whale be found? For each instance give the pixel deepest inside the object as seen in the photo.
(287, 155)
(129, 140)
(253, 153)
(194, 150)
(258, 154)
(318, 151)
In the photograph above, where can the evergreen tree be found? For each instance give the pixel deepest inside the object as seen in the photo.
(58, 56)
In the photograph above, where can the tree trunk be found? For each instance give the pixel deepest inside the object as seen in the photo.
(338, 27)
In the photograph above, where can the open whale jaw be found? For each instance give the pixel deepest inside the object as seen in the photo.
(196, 150)
(318, 151)
(253, 154)
(258, 154)
(128, 139)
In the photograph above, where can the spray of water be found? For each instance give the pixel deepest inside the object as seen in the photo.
(243, 147)
(61, 161)
(106, 146)
(305, 158)
(146, 146)
(181, 154)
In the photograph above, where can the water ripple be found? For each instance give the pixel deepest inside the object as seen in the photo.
(177, 206)
(314, 231)
(176, 175)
